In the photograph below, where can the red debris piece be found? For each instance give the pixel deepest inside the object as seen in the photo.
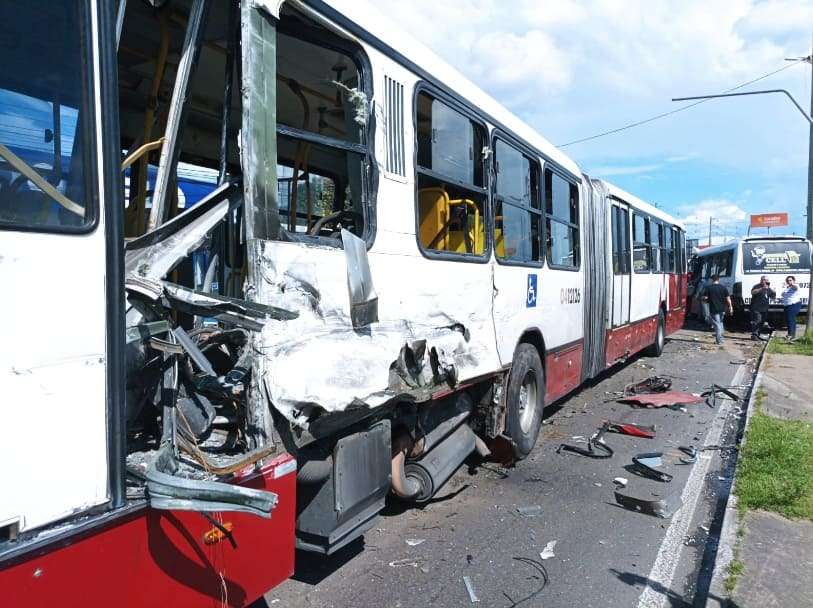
(662, 399)
(628, 428)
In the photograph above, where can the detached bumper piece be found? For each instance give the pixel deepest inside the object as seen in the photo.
(172, 493)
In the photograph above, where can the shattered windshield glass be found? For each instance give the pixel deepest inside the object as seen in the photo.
(42, 142)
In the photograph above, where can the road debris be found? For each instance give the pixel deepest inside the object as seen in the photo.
(621, 482)
(413, 562)
(529, 510)
(712, 393)
(628, 428)
(547, 552)
(596, 448)
(470, 589)
(646, 466)
(414, 542)
(653, 384)
(541, 574)
(668, 399)
(658, 508)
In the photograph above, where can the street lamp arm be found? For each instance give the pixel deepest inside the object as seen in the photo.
(783, 91)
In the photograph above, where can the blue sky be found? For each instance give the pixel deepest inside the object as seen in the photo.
(572, 69)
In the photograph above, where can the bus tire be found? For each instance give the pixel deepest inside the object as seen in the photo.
(656, 349)
(525, 399)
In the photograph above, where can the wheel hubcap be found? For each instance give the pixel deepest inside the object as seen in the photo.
(527, 401)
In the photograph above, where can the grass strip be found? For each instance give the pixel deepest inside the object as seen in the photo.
(775, 469)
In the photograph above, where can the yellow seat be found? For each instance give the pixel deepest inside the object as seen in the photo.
(435, 208)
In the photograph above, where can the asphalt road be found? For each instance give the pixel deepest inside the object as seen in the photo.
(604, 555)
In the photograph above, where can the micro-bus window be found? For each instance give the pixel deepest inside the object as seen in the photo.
(451, 191)
(562, 222)
(322, 133)
(641, 252)
(518, 214)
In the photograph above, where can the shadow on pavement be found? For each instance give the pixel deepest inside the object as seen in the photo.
(675, 600)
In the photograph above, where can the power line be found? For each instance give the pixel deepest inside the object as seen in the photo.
(676, 110)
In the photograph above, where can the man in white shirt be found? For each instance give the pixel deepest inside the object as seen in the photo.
(792, 301)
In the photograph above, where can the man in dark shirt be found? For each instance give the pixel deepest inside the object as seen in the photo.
(761, 296)
(719, 303)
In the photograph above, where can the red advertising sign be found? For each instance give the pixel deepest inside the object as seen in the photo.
(769, 220)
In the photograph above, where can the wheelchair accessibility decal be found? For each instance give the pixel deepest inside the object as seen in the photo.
(530, 296)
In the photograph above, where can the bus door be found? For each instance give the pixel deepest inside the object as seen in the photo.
(53, 360)
(622, 264)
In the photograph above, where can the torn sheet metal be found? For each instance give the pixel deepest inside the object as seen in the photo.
(153, 255)
(319, 363)
(667, 399)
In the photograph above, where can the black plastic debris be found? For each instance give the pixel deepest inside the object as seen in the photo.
(646, 465)
(712, 393)
(663, 508)
(596, 448)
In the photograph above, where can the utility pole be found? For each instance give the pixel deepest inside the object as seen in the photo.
(809, 318)
(710, 219)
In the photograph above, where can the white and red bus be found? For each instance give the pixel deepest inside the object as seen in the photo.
(398, 272)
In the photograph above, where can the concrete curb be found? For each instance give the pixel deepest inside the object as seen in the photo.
(717, 595)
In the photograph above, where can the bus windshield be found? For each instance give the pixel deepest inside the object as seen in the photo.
(777, 256)
(42, 148)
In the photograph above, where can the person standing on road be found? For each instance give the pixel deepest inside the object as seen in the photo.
(719, 303)
(792, 301)
(761, 296)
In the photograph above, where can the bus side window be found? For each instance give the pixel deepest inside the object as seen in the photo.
(655, 244)
(616, 239)
(562, 222)
(642, 256)
(518, 213)
(667, 252)
(451, 181)
(322, 134)
(726, 260)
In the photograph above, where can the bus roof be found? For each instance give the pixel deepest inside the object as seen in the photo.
(379, 31)
(734, 243)
(637, 203)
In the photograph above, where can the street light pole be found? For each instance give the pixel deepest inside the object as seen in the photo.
(808, 59)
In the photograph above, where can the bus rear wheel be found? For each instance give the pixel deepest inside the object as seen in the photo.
(525, 399)
(660, 337)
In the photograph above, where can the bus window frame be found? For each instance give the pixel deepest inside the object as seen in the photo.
(549, 216)
(433, 254)
(500, 135)
(364, 148)
(90, 156)
(646, 242)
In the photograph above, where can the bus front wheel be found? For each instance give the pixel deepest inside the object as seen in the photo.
(525, 399)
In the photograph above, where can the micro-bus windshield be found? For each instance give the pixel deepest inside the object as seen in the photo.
(43, 141)
(776, 256)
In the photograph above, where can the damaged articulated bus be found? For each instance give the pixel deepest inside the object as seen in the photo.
(389, 273)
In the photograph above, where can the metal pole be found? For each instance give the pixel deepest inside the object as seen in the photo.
(171, 150)
(809, 318)
(710, 230)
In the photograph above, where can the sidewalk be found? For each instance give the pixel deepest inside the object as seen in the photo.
(773, 554)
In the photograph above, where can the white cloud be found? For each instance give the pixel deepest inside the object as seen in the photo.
(722, 213)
